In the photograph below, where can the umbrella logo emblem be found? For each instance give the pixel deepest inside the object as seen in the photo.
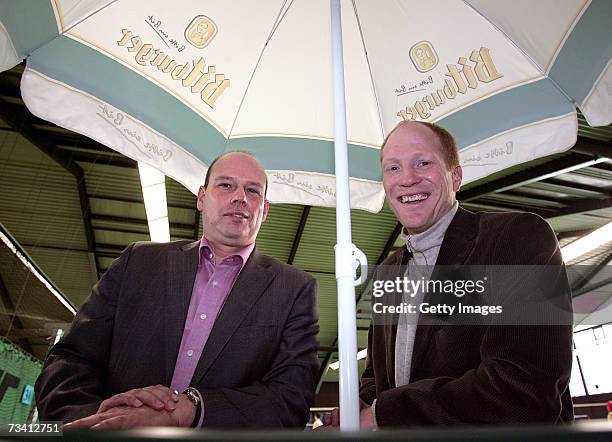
(423, 56)
(200, 31)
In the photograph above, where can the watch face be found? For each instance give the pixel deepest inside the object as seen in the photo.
(192, 396)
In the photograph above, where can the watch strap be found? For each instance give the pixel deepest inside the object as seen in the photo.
(194, 396)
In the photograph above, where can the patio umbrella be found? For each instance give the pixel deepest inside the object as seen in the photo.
(174, 84)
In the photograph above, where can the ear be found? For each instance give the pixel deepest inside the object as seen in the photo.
(266, 208)
(457, 176)
(200, 200)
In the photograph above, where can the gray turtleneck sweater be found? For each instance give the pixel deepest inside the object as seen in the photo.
(424, 247)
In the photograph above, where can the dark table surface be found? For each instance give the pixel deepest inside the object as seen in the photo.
(581, 431)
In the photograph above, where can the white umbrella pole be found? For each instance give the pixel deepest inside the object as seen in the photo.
(347, 323)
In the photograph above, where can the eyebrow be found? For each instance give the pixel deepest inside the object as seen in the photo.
(388, 160)
(230, 178)
(413, 156)
(217, 178)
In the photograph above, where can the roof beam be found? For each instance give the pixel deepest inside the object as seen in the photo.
(383, 255)
(136, 221)
(122, 199)
(582, 206)
(592, 287)
(532, 175)
(196, 224)
(573, 233)
(586, 279)
(508, 205)
(63, 249)
(30, 316)
(298, 234)
(72, 139)
(319, 272)
(590, 328)
(18, 117)
(535, 199)
(590, 146)
(578, 186)
(389, 244)
(9, 307)
(603, 167)
(26, 333)
(117, 247)
(142, 231)
(21, 122)
(103, 159)
(322, 370)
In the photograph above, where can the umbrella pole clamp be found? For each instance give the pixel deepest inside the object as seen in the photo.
(348, 259)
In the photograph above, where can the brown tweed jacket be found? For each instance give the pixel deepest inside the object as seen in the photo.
(478, 374)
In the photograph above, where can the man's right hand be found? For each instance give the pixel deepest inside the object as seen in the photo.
(333, 418)
(158, 397)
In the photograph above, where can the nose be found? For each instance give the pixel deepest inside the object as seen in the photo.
(409, 177)
(239, 196)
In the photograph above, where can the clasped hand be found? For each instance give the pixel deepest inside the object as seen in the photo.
(155, 405)
(331, 422)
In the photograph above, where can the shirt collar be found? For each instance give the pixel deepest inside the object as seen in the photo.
(242, 254)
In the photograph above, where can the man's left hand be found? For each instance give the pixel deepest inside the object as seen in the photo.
(157, 397)
(123, 418)
(129, 417)
(366, 419)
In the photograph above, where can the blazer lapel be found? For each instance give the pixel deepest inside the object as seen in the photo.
(457, 244)
(254, 278)
(182, 266)
(459, 238)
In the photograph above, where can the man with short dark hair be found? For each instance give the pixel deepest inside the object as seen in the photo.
(204, 334)
(439, 372)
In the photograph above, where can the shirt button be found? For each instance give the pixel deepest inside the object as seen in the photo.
(189, 353)
(203, 316)
(215, 283)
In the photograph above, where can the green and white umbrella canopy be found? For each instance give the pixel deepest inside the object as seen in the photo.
(175, 83)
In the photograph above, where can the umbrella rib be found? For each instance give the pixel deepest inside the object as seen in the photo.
(62, 31)
(89, 15)
(365, 51)
(279, 18)
(522, 51)
(502, 32)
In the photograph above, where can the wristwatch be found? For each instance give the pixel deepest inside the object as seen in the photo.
(194, 398)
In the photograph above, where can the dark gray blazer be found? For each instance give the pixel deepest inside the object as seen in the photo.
(478, 374)
(259, 365)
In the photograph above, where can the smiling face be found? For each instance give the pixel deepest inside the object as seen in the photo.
(233, 204)
(419, 186)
